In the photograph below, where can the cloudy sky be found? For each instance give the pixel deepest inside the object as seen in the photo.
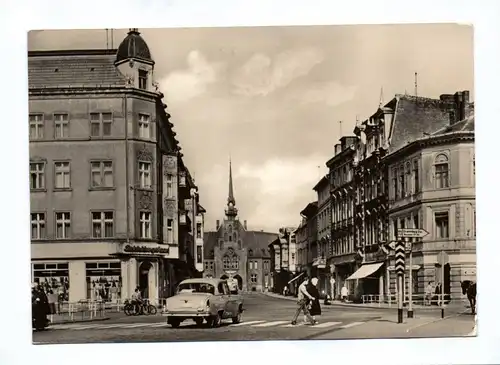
(272, 98)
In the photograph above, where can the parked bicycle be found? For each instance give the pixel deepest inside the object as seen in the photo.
(146, 308)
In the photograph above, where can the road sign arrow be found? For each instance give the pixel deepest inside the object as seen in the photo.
(412, 233)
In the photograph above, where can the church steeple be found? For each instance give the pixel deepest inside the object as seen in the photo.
(231, 210)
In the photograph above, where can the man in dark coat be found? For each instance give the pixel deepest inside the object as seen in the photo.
(314, 305)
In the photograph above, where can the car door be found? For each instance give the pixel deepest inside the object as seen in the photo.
(232, 305)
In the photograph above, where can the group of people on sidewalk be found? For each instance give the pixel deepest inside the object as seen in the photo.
(308, 302)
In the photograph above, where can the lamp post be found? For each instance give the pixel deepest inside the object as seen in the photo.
(194, 193)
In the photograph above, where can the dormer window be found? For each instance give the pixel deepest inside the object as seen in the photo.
(143, 79)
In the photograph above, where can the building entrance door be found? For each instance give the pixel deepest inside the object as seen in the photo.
(144, 270)
(240, 281)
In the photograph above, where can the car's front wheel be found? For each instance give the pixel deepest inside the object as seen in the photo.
(237, 319)
(198, 321)
(215, 321)
(175, 323)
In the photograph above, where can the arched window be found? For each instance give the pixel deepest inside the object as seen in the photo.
(226, 262)
(230, 262)
(441, 171)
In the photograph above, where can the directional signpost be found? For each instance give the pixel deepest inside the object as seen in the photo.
(442, 259)
(406, 234)
(399, 266)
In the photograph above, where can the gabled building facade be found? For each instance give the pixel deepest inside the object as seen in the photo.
(107, 176)
(232, 252)
(323, 221)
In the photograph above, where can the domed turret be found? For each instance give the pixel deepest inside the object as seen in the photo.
(133, 46)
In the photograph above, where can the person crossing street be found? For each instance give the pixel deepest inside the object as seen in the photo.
(303, 299)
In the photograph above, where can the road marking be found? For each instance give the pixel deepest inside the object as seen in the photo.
(326, 324)
(294, 325)
(353, 324)
(136, 325)
(163, 324)
(270, 324)
(246, 323)
(435, 320)
(88, 327)
(108, 326)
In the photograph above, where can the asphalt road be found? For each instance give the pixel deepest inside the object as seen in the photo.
(265, 318)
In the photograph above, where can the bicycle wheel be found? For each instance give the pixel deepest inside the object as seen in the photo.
(152, 309)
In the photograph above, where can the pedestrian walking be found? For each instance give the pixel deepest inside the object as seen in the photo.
(343, 293)
(428, 293)
(314, 306)
(52, 299)
(303, 299)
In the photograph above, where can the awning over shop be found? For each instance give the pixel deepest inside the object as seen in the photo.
(295, 278)
(365, 270)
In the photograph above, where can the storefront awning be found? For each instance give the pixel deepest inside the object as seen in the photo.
(365, 270)
(295, 278)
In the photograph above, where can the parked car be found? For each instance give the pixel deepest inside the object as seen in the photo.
(203, 299)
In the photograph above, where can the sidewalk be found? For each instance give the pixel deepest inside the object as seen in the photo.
(455, 308)
(420, 327)
(84, 317)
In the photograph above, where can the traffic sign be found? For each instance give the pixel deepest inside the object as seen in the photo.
(400, 258)
(412, 232)
(442, 258)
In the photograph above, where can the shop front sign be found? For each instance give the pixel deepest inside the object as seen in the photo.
(153, 250)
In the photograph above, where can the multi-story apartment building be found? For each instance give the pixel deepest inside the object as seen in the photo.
(107, 176)
(301, 239)
(370, 180)
(309, 214)
(343, 254)
(433, 187)
(323, 220)
(283, 260)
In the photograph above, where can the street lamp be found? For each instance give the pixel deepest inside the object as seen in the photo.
(194, 194)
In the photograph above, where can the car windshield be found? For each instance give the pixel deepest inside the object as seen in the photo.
(196, 288)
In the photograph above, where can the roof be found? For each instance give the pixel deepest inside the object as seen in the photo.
(321, 183)
(465, 125)
(133, 46)
(212, 281)
(310, 209)
(73, 69)
(257, 241)
(415, 117)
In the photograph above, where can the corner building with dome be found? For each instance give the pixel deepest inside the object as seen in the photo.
(234, 252)
(113, 205)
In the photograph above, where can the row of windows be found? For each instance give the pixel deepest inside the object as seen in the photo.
(342, 175)
(406, 178)
(100, 125)
(102, 225)
(343, 208)
(101, 175)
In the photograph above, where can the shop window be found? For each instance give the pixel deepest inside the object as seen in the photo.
(104, 281)
(53, 276)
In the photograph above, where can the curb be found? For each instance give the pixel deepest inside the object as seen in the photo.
(81, 321)
(364, 306)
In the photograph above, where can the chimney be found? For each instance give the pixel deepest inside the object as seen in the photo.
(338, 148)
(217, 224)
(245, 224)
